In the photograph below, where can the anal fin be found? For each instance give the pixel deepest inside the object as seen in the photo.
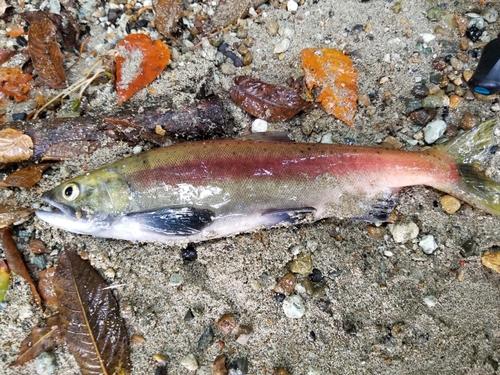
(286, 215)
(380, 209)
(173, 220)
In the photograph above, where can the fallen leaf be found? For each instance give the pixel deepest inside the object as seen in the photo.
(15, 83)
(90, 319)
(11, 214)
(16, 263)
(167, 13)
(266, 101)
(26, 177)
(46, 54)
(41, 339)
(70, 149)
(4, 279)
(6, 55)
(335, 75)
(16, 32)
(139, 62)
(15, 146)
(491, 260)
(46, 285)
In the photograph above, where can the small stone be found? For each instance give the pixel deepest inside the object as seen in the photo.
(37, 247)
(219, 365)
(491, 260)
(19, 116)
(430, 301)
(247, 59)
(278, 297)
(160, 358)
(475, 20)
(464, 44)
(391, 142)
(428, 244)
(281, 371)
(388, 253)
(227, 69)
(272, 28)
(412, 104)
(226, 323)
(462, 23)
(137, 339)
(286, 32)
(46, 364)
(473, 33)
(450, 204)
(423, 116)
(206, 338)
(490, 15)
(292, 6)
(376, 232)
(39, 261)
(242, 32)
(364, 100)
(469, 248)
(316, 276)
(397, 7)
(420, 91)
(302, 264)
(455, 100)
(238, 367)
(283, 45)
(435, 13)
(110, 273)
(434, 130)
(137, 149)
(294, 307)
(313, 371)
(249, 42)
(404, 232)
(190, 362)
(189, 254)
(286, 284)
(436, 78)
(427, 37)
(244, 333)
(259, 126)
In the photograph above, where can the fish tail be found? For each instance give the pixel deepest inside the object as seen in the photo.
(470, 150)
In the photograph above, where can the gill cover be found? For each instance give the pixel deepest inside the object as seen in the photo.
(99, 195)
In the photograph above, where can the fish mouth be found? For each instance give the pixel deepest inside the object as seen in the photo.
(59, 208)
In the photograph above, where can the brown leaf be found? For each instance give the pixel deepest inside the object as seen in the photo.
(11, 214)
(46, 54)
(41, 339)
(15, 83)
(26, 177)
(167, 12)
(46, 285)
(15, 146)
(90, 319)
(6, 55)
(16, 263)
(70, 149)
(266, 101)
(335, 75)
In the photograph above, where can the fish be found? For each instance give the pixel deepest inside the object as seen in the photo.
(201, 190)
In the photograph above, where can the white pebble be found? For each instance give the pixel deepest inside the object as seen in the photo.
(495, 107)
(327, 138)
(292, 6)
(430, 301)
(428, 244)
(259, 126)
(190, 362)
(294, 307)
(426, 37)
(388, 253)
(137, 149)
(282, 46)
(434, 130)
(175, 279)
(404, 232)
(490, 15)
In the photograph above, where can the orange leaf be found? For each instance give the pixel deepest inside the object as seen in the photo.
(26, 177)
(140, 61)
(15, 83)
(334, 73)
(16, 32)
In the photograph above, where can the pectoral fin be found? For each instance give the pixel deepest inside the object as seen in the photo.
(288, 215)
(379, 210)
(173, 220)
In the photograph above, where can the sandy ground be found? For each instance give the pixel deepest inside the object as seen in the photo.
(372, 317)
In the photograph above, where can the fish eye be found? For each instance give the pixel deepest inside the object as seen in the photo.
(71, 191)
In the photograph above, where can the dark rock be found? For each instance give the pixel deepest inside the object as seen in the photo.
(279, 297)
(420, 91)
(473, 33)
(469, 248)
(412, 104)
(206, 338)
(189, 253)
(19, 116)
(316, 276)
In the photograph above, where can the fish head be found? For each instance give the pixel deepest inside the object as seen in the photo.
(87, 203)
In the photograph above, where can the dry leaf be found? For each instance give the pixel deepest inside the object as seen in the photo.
(46, 54)
(41, 339)
(139, 62)
(167, 12)
(6, 55)
(4, 279)
(70, 149)
(26, 177)
(16, 32)
(11, 214)
(15, 83)
(266, 101)
(89, 317)
(14, 146)
(46, 285)
(491, 260)
(16, 263)
(335, 75)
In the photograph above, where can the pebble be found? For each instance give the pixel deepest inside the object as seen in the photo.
(302, 264)
(286, 32)
(473, 33)
(376, 232)
(278, 297)
(189, 254)
(228, 69)
(462, 23)
(247, 58)
(313, 371)
(110, 273)
(206, 338)
(226, 323)
(435, 13)
(423, 116)
(404, 232)
(160, 358)
(475, 20)
(259, 126)
(468, 121)
(420, 91)
(190, 362)
(450, 204)
(430, 301)
(428, 244)
(434, 130)
(219, 365)
(292, 6)
(286, 284)
(137, 150)
(238, 367)
(412, 104)
(37, 246)
(175, 279)
(244, 333)
(427, 37)
(469, 248)
(137, 339)
(491, 260)
(39, 261)
(316, 276)
(46, 364)
(490, 15)
(294, 307)
(282, 46)
(272, 28)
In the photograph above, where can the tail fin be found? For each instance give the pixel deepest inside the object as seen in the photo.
(469, 151)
